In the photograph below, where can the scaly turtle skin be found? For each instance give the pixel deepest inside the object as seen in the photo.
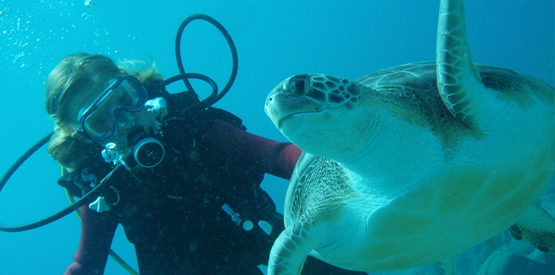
(414, 164)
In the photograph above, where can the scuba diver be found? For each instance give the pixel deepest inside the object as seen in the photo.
(192, 204)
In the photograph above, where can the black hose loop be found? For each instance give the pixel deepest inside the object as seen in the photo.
(229, 42)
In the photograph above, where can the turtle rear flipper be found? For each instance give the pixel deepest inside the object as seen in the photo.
(537, 228)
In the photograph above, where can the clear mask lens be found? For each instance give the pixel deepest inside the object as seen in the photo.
(113, 108)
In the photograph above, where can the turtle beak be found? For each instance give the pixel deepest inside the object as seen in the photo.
(273, 106)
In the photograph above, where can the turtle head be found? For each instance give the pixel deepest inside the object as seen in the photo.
(317, 112)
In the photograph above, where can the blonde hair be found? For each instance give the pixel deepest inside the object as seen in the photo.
(69, 78)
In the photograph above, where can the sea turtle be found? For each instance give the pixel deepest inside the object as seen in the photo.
(414, 164)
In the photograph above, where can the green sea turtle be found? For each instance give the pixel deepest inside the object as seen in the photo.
(414, 164)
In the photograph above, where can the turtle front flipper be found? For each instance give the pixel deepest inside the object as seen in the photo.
(290, 250)
(459, 83)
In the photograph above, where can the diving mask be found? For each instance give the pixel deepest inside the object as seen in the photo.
(111, 110)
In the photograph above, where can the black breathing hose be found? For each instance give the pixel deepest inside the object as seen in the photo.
(231, 47)
(60, 214)
(23, 158)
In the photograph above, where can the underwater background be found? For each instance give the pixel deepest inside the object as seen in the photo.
(274, 39)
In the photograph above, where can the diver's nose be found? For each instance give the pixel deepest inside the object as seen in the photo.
(125, 120)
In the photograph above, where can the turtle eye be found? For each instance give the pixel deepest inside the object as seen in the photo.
(298, 85)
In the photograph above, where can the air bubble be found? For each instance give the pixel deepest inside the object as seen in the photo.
(89, 3)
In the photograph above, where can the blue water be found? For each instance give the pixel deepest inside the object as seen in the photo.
(274, 39)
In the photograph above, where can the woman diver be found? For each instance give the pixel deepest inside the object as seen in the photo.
(189, 197)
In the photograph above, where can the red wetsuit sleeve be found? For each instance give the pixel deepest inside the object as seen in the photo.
(97, 232)
(287, 160)
(272, 157)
